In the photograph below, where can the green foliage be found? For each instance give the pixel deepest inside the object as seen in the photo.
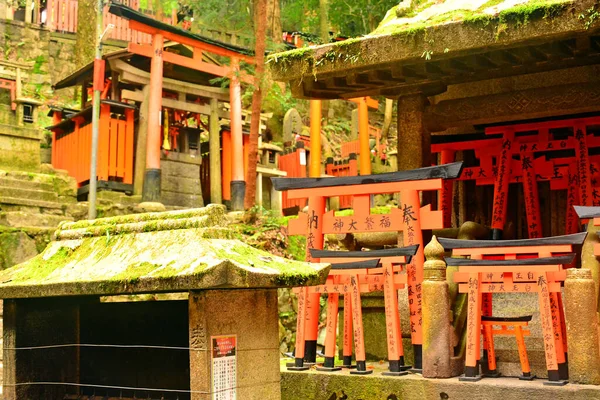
(590, 16)
(224, 15)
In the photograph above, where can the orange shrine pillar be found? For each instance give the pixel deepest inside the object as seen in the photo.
(151, 191)
(363, 136)
(314, 240)
(238, 183)
(315, 138)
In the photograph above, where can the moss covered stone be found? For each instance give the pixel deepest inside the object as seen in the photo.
(433, 29)
(152, 258)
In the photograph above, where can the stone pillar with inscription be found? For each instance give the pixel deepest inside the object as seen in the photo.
(582, 327)
(437, 328)
(234, 344)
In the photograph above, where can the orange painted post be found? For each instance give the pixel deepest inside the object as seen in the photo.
(392, 317)
(547, 327)
(129, 149)
(363, 136)
(315, 139)
(563, 369)
(347, 333)
(331, 329)
(410, 207)
(226, 164)
(489, 336)
(151, 190)
(359, 345)
(299, 348)
(314, 240)
(525, 368)
(238, 183)
(583, 165)
(532, 201)
(501, 185)
(473, 328)
(447, 157)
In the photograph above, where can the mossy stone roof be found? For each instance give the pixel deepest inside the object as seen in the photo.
(152, 253)
(427, 36)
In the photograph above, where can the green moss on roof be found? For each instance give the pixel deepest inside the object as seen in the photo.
(153, 261)
(517, 15)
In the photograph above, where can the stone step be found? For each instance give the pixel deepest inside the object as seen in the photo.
(31, 194)
(24, 184)
(19, 219)
(64, 185)
(31, 203)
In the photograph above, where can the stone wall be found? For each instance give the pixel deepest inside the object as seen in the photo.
(52, 56)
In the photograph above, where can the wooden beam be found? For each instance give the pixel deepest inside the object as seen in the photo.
(188, 62)
(203, 109)
(195, 43)
(131, 74)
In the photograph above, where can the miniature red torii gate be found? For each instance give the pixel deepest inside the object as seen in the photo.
(386, 275)
(410, 218)
(515, 150)
(161, 32)
(515, 266)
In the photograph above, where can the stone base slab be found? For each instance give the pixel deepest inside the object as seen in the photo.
(314, 385)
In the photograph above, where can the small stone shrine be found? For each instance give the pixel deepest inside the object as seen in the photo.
(78, 323)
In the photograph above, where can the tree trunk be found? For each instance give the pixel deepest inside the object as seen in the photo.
(324, 34)
(260, 18)
(324, 20)
(86, 32)
(274, 30)
(387, 120)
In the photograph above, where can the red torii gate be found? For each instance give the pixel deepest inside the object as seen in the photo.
(531, 153)
(161, 32)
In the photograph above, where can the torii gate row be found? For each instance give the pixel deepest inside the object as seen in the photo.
(161, 32)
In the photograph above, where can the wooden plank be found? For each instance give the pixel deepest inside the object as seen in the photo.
(357, 265)
(497, 287)
(121, 149)
(129, 147)
(573, 239)
(466, 262)
(449, 171)
(112, 152)
(398, 251)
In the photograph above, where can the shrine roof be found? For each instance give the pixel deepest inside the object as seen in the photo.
(173, 251)
(441, 43)
(131, 14)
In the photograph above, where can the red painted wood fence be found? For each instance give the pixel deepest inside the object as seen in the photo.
(71, 147)
(294, 164)
(61, 16)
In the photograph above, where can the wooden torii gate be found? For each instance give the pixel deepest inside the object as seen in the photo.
(162, 32)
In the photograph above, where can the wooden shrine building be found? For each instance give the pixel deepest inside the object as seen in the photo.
(160, 104)
(463, 73)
